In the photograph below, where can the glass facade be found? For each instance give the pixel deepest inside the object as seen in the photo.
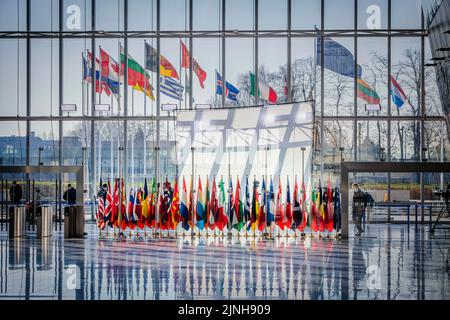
(43, 44)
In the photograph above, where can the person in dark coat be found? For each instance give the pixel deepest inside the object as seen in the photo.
(70, 196)
(15, 193)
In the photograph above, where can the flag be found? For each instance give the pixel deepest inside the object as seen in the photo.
(297, 211)
(175, 205)
(247, 206)
(138, 78)
(231, 91)
(191, 206)
(123, 219)
(185, 63)
(212, 221)
(255, 208)
(138, 209)
(279, 214)
(101, 210)
(209, 214)
(200, 206)
(184, 206)
(337, 210)
(144, 204)
(108, 205)
(222, 219)
(319, 206)
(304, 208)
(109, 70)
(153, 216)
(231, 213)
(265, 91)
(164, 209)
(397, 93)
(87, 72)
(365, 92)
(238, 219)
(288, 206)
(166, 68)
(329, 214)
(337, 58)
(171, 88)
(263, 207)
(100, 85)
(271, 204)
(115, 207)
(314, 225)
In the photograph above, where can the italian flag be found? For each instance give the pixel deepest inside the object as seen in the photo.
(365, 92)
(265, 92)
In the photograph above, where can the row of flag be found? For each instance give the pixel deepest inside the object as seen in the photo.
(213, 207)
(339, 59)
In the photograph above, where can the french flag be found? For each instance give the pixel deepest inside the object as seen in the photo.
(397, 93)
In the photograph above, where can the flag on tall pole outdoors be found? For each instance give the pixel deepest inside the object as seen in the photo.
(200, 206)
(184, 206)
(337, 58)
(367, 93)
(166, 68)
(186, 62)
(398, 95)
(263, 207)
(265, 91)
(109, 71)
(171, 88)
(100, 86)
(231, 91)
(138, 78)
(288, 206)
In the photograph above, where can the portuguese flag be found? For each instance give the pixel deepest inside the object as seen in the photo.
(265, 92)
(137, 77)
(365, 92)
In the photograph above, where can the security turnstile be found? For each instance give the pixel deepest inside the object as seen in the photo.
(17, 219)
(73, 222)
(44, 221)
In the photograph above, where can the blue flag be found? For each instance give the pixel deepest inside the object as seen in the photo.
(230, 90)
(337, 58)
(171, 88)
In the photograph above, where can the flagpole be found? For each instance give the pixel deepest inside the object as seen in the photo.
(132, 138)
(99, 101)
(111, 141)
(145, 109)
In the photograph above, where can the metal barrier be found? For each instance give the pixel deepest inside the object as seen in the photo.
(44, 222)
(17, 221)
(73, 222)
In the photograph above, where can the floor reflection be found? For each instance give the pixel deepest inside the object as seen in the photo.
(389, 262)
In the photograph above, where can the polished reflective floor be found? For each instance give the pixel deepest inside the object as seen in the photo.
(388, 262)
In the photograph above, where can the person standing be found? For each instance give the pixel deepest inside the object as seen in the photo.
(15, 193)
(358, 208)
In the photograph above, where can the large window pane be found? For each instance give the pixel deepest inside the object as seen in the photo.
(77, 15)
(44, 80)
(109, 15)
(305, 74)
(12, 143)
(403, 18)
(372, 57)
(44, 15)
(339, 14)
(372, 140)
(239, 14)
(339, 89)
(406, 69)
(141, 15)
(207, 14)
(44, 143)
(239, 62)
(13, 15)
(272, 58)
(305, 14)
(405, 140)
(13, 82)
(174, 15)
(272, 14)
